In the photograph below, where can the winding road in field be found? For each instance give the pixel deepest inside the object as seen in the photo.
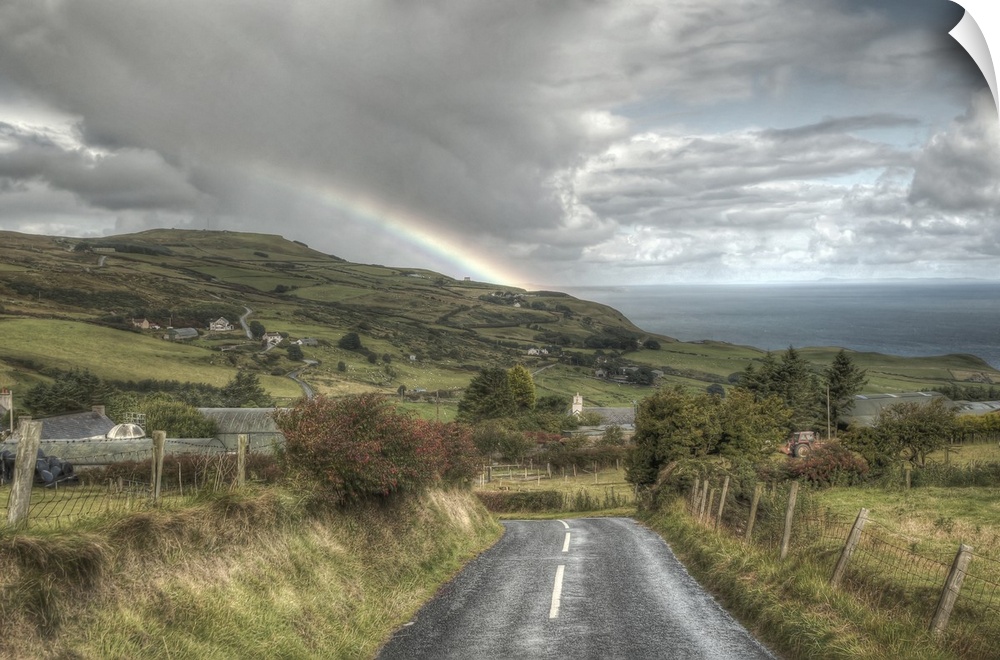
(585, 588)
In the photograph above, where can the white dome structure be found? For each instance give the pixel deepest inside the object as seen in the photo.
(126, 432)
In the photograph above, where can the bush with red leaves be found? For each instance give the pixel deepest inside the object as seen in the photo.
(360, 447)
(830, 464)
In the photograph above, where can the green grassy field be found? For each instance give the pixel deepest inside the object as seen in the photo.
(604, 484)
(450, 324)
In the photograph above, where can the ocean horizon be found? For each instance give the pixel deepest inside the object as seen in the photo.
(909, 318)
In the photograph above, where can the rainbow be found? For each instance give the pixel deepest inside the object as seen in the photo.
(436, 244)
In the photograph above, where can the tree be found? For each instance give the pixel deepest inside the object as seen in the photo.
(257, 329)
(843, 381)
(294, 352)
(72, 391)
(488, 396)
(913, 430)
(751, 428)
(671, 425)
(641, 376)
(350, 342)
(553, 403)
(791, 379)
(178, 419)
(613, 437)
(245, 391)
(522, 388)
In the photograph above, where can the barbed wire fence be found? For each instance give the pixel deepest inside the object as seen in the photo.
(958, 596)
(68, 482)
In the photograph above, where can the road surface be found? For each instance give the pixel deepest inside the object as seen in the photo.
(243, 322)
(307, 391)
(585, 588)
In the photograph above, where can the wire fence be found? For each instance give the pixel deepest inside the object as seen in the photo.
(882, 566)
(82, 480)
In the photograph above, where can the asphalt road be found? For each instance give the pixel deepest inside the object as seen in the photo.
(585, 588)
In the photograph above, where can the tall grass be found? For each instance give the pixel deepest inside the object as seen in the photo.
(789, 605)
(238, 575)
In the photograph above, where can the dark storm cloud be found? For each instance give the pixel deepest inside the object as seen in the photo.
(565, 132)
(126, 179)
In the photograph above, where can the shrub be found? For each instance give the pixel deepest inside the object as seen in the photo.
(831, 464)
(458, 460)
(361, 447)
(507, 502)
(981, 474)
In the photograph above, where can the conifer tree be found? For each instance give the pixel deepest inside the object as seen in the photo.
(522, 388)
(844, 380)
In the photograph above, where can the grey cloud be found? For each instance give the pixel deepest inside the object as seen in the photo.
(959, 170)
(127, 179)
(496, 120)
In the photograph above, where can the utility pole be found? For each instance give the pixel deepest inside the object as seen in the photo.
(828, 411)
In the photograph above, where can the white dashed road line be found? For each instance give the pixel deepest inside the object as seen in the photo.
(557, 592)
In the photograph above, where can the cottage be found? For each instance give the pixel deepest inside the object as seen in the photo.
(93, 425)
(220, 324)
(307, 341)
(272, 338)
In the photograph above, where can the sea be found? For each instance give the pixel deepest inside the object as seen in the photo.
(908, 318)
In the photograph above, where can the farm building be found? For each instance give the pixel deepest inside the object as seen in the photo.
(257, 423)
(868, 406)
(180, 334)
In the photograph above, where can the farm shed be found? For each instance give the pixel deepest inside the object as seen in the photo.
(868, 406)
(257, 423)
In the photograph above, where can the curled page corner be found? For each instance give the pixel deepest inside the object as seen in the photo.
(972, 38)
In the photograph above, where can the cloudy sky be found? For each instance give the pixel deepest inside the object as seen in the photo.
(555, 142)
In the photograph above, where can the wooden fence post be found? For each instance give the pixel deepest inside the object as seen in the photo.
(789, 515)
(701, 500)
(708, 509)
(758, 490)
(852, 541)
(241, 460)
(19, 500)
(159, 442)
(951, 588)
(722, 501)
(694, 495)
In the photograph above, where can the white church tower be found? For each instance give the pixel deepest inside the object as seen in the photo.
(577, 405)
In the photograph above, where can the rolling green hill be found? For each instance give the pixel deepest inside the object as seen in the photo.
(72, 302)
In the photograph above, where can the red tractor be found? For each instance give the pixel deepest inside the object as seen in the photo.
(800, 443)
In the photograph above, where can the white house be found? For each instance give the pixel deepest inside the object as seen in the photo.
(220, 325)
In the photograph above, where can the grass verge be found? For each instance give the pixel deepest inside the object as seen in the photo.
(249, 575)
(789, 605)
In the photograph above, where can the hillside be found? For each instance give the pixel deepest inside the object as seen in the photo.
(72, 302)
